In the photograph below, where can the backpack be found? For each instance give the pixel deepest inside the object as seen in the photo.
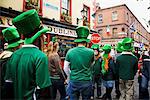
(3, 63)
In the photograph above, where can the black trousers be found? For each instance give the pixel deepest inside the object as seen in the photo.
(98, 81)
(58, 84)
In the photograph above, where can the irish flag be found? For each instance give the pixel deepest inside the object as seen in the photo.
(108, 30)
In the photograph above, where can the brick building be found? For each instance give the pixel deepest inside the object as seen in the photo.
(115, 23)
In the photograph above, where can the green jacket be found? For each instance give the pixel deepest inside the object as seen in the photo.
(126, 66)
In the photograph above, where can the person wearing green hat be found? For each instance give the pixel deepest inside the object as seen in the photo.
(79, 61)
(28, 66)
(126, 65)
(96, 73)
(108, 71)
(12, 37)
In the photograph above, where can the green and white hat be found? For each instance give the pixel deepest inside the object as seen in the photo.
(11, 35)
(27, 23)
(127, 44)
(82, 34)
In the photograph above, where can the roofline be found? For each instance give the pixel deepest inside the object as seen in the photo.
(128, 9)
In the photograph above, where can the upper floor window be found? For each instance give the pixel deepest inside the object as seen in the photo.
(127, 17)
(65, 7)
(65, 11)
(86, 21)
(100, 19)
(33, 4)
(114, 15)
(114, 31)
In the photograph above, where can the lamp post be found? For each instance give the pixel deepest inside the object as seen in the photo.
(83, 14)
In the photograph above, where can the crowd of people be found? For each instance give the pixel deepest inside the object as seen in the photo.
(31, 68)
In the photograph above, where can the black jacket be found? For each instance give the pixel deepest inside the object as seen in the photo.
(110, 74)
(146, 67)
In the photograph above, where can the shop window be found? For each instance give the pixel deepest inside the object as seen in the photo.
(100, 31)
(33, 4)
(86, 21)
(100, 19)
(65, 11)
(114, 32)
(114, 16)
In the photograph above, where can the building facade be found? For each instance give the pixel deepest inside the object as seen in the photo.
(61, 16)
(117, 22)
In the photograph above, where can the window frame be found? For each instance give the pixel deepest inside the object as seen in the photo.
(88, 14)
(116, 16)
(114, 33)
(98, 21)
(69, 7)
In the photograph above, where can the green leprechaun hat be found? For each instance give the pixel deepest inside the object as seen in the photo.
(118, 47)
(82, 34)
(11, 35)
(27, 23)
(95, 46)
(127, 44)
(106, 47)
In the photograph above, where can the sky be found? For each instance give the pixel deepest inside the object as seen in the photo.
(138, 8)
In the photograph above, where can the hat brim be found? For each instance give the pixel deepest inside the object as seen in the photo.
(38, 34)
(124, 49)
(15, 44)
(82, 40)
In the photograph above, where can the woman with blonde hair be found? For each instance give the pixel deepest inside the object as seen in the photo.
(56, 72)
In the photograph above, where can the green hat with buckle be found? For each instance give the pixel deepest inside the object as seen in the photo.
(118, 47)
(127, 44)
(27, 24)
(11, 35)
(82, 34)
(95, 46)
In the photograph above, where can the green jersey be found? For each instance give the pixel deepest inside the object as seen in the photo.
(28, 68)
(80, 59)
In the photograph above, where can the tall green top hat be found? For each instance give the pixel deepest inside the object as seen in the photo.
(95, 46)
(118, 48)
(27, 23)
(127, 44)
(11, 35)
(82, 34)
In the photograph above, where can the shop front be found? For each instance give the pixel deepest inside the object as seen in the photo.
(65, 33)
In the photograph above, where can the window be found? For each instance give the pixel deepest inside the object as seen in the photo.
(33, 4)
(114, 16)
(86, 22)
(114, 32)
(100, 31)
(123, 29)
(100, 19)
(65, 11)
(65, 7)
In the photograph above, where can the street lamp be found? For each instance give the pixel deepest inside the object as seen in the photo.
(83, 14)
